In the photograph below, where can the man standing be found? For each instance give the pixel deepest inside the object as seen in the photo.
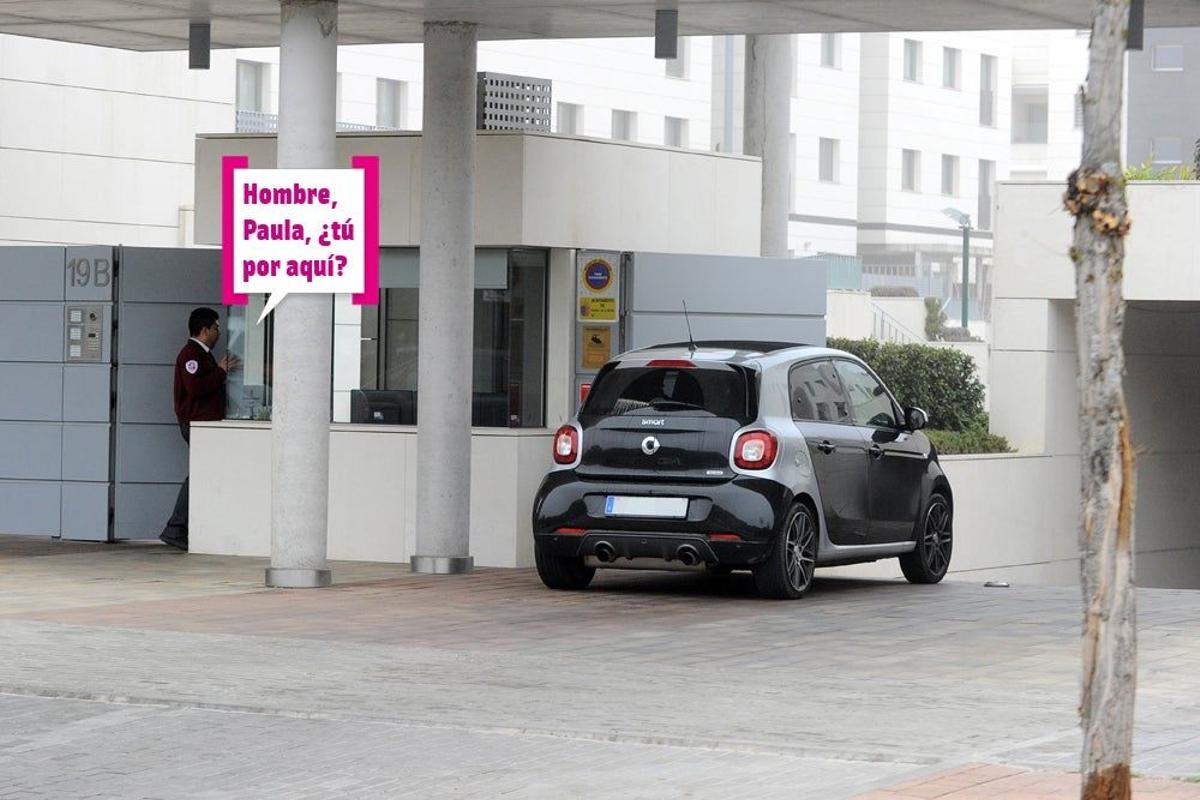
(199, 396)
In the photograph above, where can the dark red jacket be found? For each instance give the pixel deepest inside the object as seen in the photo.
(199, 385)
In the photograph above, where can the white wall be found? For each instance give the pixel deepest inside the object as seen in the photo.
(372, 491)
(545, 190)
(848, 314)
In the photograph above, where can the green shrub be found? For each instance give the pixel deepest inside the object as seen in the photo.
(976, 439)
(1148, 171)
(940, 380)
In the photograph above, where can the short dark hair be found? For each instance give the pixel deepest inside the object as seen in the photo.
(201, 318)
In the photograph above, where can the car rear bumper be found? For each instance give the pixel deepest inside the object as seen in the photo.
(569, 519)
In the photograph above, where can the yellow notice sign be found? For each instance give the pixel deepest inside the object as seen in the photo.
(600, 309)
(597, 346)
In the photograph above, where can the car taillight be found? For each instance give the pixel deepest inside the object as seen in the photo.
(755, 450)
(566, 445)
(674, 363)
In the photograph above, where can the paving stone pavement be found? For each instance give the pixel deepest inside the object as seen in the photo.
(133, 671)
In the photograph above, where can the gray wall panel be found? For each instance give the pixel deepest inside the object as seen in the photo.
(645, 330)
(31, 450)
(85, 511)
(151, 454)
(31, 331)
(29, 508)
(85, 451)
(31, 273)
(171, 275)
(31, 392)
(92, 278)
(143, 509)
(711, 284)
(154, 333)
(87, 390)
(147, 394)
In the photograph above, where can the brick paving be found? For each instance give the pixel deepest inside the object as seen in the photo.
(135, 671)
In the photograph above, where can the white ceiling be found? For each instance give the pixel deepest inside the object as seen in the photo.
(163, 24)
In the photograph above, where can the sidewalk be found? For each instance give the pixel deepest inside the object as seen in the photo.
(993, 782)
(137, 671)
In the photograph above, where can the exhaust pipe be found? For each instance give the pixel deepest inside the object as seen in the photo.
(688, 555)
(604, 553)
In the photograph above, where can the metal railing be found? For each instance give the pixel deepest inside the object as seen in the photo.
(261, 122)
(886, 328)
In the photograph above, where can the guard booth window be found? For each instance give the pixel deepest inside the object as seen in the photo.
(509, 341)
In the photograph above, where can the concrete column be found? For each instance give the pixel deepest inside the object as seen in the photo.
(446, 301)
(767, 124)
(303, 322)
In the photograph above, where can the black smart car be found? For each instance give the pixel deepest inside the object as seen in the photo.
(771, 457)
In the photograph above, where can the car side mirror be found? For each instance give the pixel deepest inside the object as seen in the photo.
(916, 418)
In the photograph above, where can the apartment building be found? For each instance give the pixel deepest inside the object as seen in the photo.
(1162, 125)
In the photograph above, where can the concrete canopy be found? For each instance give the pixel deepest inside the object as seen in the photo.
(163, 24)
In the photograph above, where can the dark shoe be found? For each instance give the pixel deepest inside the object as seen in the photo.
(174, 538)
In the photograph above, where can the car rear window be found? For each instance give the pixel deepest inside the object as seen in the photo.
(720, 390)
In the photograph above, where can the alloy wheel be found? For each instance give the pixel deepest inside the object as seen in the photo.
(801, 551)
(936, 540)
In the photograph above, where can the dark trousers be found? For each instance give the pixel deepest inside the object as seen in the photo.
(178, 523)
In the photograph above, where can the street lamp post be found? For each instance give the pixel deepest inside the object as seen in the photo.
(964, 222)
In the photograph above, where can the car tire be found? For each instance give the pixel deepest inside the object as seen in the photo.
(788, 571)
(930, 559)
(562, 572)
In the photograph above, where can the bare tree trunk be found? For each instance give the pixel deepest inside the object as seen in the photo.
(1096, 197)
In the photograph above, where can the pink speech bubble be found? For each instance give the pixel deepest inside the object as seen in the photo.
(370, 167)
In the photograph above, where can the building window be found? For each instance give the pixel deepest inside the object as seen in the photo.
(987, 184)
(1030, 114)
(1079, 109)
(570, 119)
(509, 360)
(1166, 150)
(624, 125)
(828, 168)
(831, 50)
(912, 60)
(679, 67)
(910, 171)
(337, 99)
(251, 86)
(675, 132)
(950, 175)
(391, 103)
(951, 68)
(987, 90)
(1168, 58)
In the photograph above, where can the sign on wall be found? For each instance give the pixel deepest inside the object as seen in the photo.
(598, 282)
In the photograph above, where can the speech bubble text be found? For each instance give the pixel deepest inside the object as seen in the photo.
(299, 231)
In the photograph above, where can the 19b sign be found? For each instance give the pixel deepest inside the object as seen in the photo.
(89, 272)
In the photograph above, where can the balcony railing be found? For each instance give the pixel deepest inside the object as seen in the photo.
(262, 122)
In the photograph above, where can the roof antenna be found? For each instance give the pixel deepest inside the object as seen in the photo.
(688, 320)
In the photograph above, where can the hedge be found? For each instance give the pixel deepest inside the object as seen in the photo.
(976, 439)
(940, 380)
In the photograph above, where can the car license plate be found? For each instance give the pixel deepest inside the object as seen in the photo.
(619, 506)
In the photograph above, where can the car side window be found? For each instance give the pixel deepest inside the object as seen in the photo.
(870, 403)
(816, 394)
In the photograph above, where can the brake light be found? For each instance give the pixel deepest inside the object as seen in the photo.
(566, 445)
(755, 450)
(676, 363)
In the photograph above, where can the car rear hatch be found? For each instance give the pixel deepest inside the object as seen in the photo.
(665, 420)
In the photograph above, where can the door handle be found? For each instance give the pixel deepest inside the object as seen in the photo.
(827, 447)
(876, 451)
